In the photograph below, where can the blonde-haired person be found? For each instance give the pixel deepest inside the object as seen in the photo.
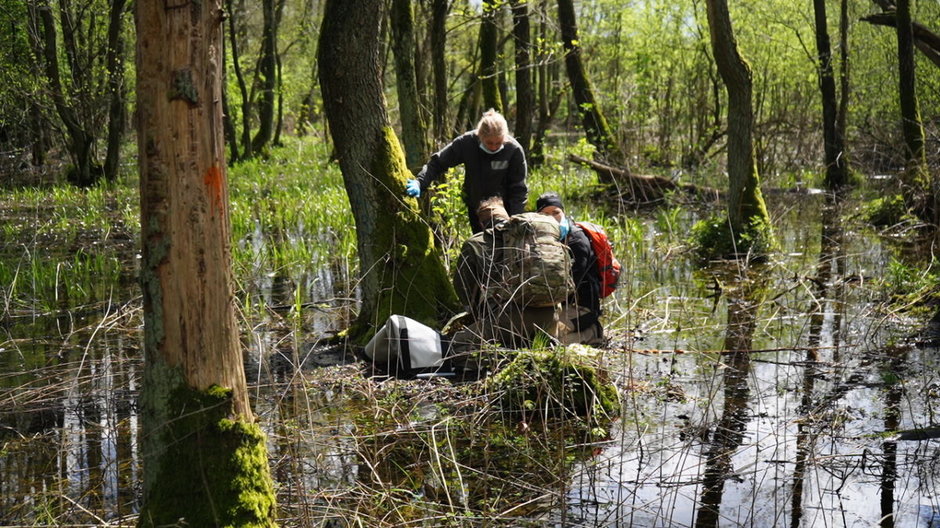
(494, 165)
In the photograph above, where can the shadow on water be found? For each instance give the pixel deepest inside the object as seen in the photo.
(775, 396)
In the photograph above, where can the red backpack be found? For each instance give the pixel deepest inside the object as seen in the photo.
(608, 267)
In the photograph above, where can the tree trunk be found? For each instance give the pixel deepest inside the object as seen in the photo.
(267, 72)
(86, 172)
(414, 131)
(746, 208)
(836, 170)
(917, 188)
(489, 47)
(205, 461)
(548, 98)
(439, 9)
(402, 272)
(232, 13)
(842, 118)
(525, 96)
(926, 41)
(592, 119)
(116, 92)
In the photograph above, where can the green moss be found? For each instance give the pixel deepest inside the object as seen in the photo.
(887, 211)
(556, 383)
(714, 239)
(211, 470)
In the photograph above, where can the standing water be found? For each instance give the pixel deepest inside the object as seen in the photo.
(781, 394)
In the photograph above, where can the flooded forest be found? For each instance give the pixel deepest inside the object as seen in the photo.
(206, 214)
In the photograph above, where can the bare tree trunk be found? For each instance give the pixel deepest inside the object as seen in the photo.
(525, 96)
(439, 9)
(414, 131)
(746, 208)
(489, 45)
(592, 118)
(116, 91)
(205, 460)
(402, 272)
(232, 13)
(267, 72)
(842, 119)
(836, 170)
(548, 98)
(917, 185)
(81, 141)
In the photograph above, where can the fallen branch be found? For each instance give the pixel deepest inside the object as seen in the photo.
(641, 188)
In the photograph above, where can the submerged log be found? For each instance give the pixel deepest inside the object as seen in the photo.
(642, 188)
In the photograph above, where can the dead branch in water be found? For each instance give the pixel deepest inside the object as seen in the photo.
(642, 188)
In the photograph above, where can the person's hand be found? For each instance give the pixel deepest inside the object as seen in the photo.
(413, 188)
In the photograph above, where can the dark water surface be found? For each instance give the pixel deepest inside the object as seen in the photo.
(771, 396)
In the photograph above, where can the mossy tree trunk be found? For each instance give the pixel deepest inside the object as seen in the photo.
(414, 130)
(401, 270)
(489, 51)
(918, 191)
(525, 95)
(746, 208)
(205, 459)
(595, 125)
(836, 167)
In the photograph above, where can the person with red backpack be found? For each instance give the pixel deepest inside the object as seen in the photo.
(594, 269)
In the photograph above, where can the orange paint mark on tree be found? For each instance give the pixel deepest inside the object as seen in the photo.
(213, 180)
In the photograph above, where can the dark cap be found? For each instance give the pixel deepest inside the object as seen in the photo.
(547, 199)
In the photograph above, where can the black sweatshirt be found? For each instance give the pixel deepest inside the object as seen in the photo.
(501, 174)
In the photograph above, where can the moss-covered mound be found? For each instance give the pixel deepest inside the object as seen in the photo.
(564, 382)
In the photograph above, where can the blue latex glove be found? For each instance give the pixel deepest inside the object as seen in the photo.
(413, 188)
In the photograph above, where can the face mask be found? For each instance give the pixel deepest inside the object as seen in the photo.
(488, 151)
(564, 227)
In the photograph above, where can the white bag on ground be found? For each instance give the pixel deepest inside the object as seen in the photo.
(403, 344)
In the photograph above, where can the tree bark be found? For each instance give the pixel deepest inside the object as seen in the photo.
(116, 92)
(489, 46)
(834, 150)
(414, 131)
(401, 270)
(595, 124)
(525, 96)
(205, 461)
(746, 206)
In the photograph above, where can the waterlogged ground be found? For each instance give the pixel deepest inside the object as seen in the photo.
(787, 394)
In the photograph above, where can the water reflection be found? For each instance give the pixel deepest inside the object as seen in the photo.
(736, 414)
(728, 433)
(69, 448)
(824, 331)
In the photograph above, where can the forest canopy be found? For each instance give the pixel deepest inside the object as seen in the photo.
(650, 64)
